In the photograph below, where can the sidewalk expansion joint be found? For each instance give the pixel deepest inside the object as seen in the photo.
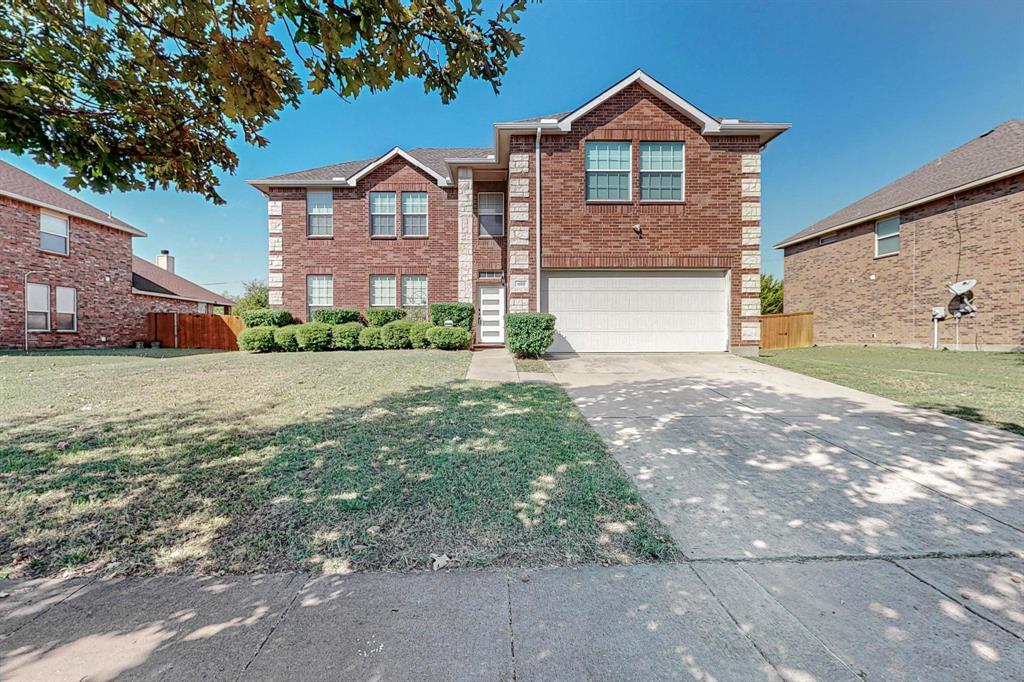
(280, 619)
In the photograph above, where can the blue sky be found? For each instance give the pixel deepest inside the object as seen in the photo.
(873, 90)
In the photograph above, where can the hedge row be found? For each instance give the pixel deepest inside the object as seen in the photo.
(320, 336)
(460, 314)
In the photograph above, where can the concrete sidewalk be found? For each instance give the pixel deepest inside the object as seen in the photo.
(706, 620)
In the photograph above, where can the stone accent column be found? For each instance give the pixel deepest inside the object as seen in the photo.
(275, 244)
(750, 249)
(520, 243)
(466, 235)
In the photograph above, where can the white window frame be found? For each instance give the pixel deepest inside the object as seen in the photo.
(489, 275)
(895, 235)
(426, 291)
(393, 214)
(425, 214)
(66, 235)
(28, 310)
(310, 194)
(587, 171)
(74, 312)
(681, 172)
(480, 212)
(394, 291)
(310, 306)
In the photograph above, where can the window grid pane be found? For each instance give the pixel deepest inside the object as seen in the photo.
(608, 156)
(382, 202)
(53, 224)
(320, 291)
(382, 290)
(320, 225)
(382, 214)
(382, 225)
(319, 202)
(661, 156)
(38, 307)
(887, 227)
(605, 186)
(414, 290)
(414, 202)
(661, 186)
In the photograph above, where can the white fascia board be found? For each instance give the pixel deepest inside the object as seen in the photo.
(396, 151)
(902, 207)
(766, 132)
(134, 231)
(708, 123)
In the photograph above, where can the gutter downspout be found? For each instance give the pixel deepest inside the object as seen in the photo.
(536, 150)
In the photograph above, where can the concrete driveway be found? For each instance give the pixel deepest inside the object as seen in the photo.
(836, 527)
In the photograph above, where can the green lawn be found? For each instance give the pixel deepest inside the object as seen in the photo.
(981, 387)
(161, 462)
(532, 365)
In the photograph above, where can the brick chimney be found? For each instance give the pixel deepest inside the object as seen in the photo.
(165, 260)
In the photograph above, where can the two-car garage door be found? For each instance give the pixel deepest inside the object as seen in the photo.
(656, 311)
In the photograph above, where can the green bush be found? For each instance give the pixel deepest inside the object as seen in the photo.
(257, 339)
(378, 317)
(285, 338)
(369, 338)
(265, 317)
(416, 313)
(461, 314)
(346, 336)
(336, 315)
(448, 338)
(528, 335)
(418, 334)
(314, 336)
(396, 334)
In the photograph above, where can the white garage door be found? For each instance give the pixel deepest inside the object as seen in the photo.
(671, 311)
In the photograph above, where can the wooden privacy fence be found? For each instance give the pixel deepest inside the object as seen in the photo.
(185, 330)
(787, 330)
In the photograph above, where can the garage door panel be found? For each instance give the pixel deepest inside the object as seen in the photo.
(635, 311)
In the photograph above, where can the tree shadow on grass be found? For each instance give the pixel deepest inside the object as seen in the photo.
(504, 475)
(973, 414)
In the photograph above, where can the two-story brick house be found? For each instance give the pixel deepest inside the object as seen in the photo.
(634, 218)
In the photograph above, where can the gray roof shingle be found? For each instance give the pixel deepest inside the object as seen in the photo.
(431, 157)
(998, 150)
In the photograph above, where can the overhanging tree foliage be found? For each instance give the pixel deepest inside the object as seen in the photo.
(136, 94)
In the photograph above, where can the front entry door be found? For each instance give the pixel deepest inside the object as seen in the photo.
(492, 314)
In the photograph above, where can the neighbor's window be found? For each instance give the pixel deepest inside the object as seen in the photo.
(203, 308)
(382, 291)
(828, 239)
(37, 303)
(490, 211)
(887, 236)
(67, 309)
(319, 213)
(319, 293)
(608, 167)
(661, 171)
(414, 291)
(414, 214)
(382, 214)
(53, 233)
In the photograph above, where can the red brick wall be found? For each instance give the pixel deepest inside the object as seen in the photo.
(857, 298)
(703, 232)
(99, 267)
(351, 255)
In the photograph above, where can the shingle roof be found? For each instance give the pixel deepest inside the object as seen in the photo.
(22, 185)
(431, 157)
(997, 151)
(146, 273)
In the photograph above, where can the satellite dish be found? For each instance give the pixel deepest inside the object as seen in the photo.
(962, 287)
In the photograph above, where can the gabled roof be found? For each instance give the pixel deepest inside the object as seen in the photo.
(995, 154)
(148, 278)
(17, 184)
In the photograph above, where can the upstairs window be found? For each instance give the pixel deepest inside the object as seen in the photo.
(37, 305)
(67, 309)
(382, 214)
(319, 293)
(414, 291)
(490, 211)
(661, 171)
(887, 236)
(53, 233)
(608, 171)
(414, 214)
(319, 213)
(382, 291)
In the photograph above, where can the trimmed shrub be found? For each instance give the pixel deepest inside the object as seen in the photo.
(314, 336)
(416, 313)
(285, 338)
(369, 338)
(336, 315)
(461, 314)
(378, 317)
(396, 334)
(257, 339)
(265, 317)
(528, 335)
(346, 336)
(448, 338)
(418, 334)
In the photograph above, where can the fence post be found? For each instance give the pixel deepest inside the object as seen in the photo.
(175, 330)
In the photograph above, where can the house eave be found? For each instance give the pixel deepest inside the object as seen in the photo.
(134, 231)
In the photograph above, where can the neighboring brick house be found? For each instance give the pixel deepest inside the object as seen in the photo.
(66, 271)
(873, 272)
(647, 210)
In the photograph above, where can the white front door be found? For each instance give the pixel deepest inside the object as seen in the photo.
(492, 314)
